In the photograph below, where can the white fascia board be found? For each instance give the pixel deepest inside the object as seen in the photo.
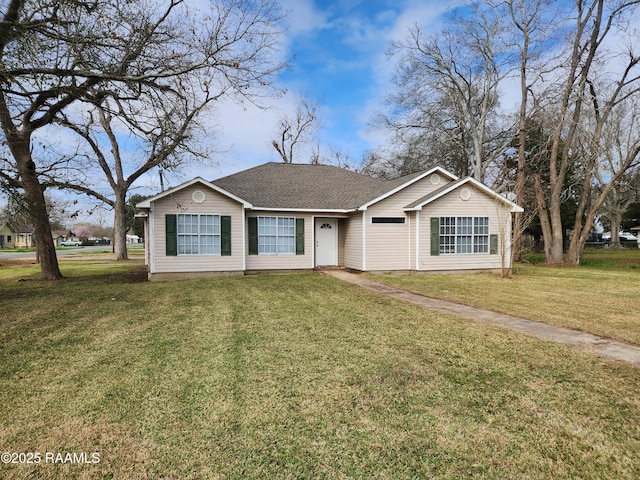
(147, 203)
(480, 186)
(302, 210)
(410, 182)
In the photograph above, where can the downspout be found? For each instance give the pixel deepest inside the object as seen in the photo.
(244, 240)
(417, 240)
(364, 240)
(152, 250)
(147, 242)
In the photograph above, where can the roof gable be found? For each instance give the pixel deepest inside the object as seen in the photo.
(198, 180)
(394, 186)
(7, 225)
(445, 189)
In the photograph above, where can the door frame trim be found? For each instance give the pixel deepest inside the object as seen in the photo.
(316, 222)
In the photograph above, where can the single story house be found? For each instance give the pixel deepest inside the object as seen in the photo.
(284, 217)
(60, 236)
(24, 237)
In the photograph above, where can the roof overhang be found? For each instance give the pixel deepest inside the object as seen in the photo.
(433, 196)
(146, 204)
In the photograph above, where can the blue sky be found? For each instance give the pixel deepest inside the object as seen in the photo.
(338, 49)
(338, 54)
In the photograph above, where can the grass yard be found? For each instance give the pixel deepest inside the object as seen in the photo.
(600, 297)
(292, 376)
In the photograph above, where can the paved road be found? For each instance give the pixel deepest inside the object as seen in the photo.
(32, 255)
(601, 346)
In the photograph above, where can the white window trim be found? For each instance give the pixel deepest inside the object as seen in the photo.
(277, 235)
(219, 235)
(473, 236)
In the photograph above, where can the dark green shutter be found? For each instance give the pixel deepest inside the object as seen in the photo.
(225, 235)
(299, 236)
(435, 235)
(493, 244)
(253, 235)
(171, 233)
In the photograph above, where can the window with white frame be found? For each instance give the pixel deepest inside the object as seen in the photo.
(461, 235)
(198, 234)
(276, 235)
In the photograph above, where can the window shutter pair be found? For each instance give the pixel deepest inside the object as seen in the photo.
(253, 236)
(435, 239)
(171, 232)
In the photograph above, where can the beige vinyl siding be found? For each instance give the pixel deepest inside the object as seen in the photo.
(287, 261)
(7, 233)
(391, 246)
(181, 202)
(353, 241)
(388, 244)
(451, 205)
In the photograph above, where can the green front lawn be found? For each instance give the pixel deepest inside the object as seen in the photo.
(292, 376)
(600, 297)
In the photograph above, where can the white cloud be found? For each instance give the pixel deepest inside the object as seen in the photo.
(303, 17)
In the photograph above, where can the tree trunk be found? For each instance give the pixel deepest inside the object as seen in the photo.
(581, 231)
(34, 193)
(120, 226)
(616, 221)
(557, 236)
(543, 215)
(521, 175)
(615, 217)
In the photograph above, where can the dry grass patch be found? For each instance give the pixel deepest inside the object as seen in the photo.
(599, 301)
(297, 376)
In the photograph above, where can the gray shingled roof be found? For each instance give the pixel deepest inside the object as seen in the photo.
(304, 186)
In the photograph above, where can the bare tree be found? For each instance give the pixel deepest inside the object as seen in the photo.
(573, 90)
(292, 133)
(164, 129)
(447, 89)
(620, 198)
(535, 29)
(615, 178)
(56, 53)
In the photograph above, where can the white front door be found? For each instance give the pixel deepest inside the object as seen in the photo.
(326, 242)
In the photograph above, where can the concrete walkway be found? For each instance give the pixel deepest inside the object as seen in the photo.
(601, 346)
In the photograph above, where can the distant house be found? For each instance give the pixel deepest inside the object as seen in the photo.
(283, 217)
(60, 236)
(7, 236)
(24, 237)
(132, 238)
